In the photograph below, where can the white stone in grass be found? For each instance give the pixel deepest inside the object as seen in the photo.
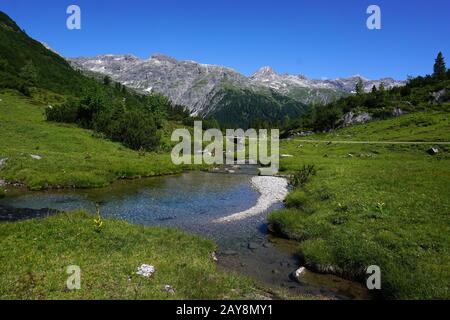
(3, 162)
(298, 273)
(169, 289)
(146, 270)
(35, 157)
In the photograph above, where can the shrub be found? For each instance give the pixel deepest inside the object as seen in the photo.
(302, 176)
(296, 199)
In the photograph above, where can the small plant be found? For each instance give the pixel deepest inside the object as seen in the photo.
(98, 221)
(302, 176)
(380, 206)
(141, 152)
(342, 208)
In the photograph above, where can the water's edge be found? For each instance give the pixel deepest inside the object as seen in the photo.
(191, 202)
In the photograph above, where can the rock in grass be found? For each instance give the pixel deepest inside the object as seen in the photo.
(298, 273)
(35, 157)
(146, 270)
(169, 289)
(3, 162)
(214, 256)
(433, 151)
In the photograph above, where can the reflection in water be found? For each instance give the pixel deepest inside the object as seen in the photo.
(191, 202)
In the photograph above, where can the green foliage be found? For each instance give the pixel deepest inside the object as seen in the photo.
(439, 68)
(244, 108)
(106, 80)
(98, 221)
(133, 122)
(303, 175)
(29, 73)
(419, 94)
(359, 88)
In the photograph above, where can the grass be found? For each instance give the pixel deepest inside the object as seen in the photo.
(36, 253)
(420, 126)
(71, 156)
(369, 204)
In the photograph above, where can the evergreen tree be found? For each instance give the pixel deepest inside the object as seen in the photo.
(359, 88)
(439, 69)
(29, 73)
(106, 80)
(374, 89)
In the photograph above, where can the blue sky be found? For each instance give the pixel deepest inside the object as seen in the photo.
(320, 38)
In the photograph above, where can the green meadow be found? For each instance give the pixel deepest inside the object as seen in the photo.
(36, 253)
(374, 204)
(70, 156)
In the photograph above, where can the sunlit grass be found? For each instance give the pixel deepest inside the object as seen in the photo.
(386, 205)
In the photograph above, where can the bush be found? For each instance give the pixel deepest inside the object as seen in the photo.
(133, 123)
(302, 176)
(296, 199)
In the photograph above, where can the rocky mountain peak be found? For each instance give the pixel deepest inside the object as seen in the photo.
(264, 72)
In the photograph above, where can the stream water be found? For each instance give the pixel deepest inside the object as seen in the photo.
(190, 202)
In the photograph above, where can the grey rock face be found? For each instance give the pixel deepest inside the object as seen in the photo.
(185, 82)
(351, 118)
(198, 86)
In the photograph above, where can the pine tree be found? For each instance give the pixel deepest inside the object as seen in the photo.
(106, 80)
(439, 67)
(374, 89)
(29, 73)
(359, 88)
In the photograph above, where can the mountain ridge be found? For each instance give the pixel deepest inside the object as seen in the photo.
(193, 84)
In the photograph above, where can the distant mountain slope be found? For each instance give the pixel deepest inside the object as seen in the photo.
(196, 85)
(50, 71)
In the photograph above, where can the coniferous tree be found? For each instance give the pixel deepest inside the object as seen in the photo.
(439, 69)
(359, 88)
(29, 73)
(106, 80)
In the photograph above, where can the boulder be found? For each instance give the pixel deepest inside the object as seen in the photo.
(169, 289)
(146, 270)
(351, 118)
(397, 112)
(3, 162)
(298, 273)
(35, 157)
(433, 151)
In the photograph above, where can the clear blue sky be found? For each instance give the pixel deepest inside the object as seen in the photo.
(317, 38)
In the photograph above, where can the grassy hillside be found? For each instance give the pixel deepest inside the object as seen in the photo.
(419, 126)
(36, 268)
(71, 156)
(375, 204)
(52, 72)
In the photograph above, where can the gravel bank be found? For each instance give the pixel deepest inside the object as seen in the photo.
(272, 190)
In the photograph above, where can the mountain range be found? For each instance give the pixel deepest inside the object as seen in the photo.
(207, 89)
